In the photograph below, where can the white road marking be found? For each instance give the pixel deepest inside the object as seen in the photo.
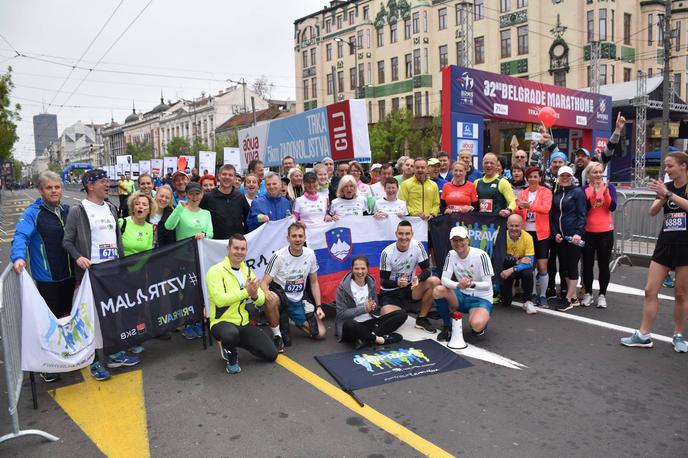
(412, 334)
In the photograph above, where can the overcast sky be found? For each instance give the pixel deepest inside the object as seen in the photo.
(188, 46)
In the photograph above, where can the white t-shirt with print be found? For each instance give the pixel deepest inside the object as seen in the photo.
(476, 265)
(360, 294)
(311, 210)
(402, 263)
(349, 207)
(291, 272)
(103, 231)
(390, 208)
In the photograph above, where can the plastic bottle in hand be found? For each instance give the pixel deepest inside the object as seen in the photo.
(581, 243)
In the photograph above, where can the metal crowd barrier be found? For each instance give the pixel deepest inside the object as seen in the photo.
(10, 329)
(635, 230)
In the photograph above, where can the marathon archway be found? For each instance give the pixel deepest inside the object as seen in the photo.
(76, 165)
(470, 96)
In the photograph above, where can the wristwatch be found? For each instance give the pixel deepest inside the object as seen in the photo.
(668, 194)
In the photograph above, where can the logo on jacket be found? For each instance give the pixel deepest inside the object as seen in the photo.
(339, 243)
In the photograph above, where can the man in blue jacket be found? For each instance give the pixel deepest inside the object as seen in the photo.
(39, 235)
(270, 207)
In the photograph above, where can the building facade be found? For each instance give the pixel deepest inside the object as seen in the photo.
(391, 53)
(44, 131)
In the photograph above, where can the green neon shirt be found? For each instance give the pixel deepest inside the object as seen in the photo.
(135, 238)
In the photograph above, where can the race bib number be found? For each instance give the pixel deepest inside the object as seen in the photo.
(486, 205)
(107, 251)
(530, 217)
(675, 222)
(294, 286)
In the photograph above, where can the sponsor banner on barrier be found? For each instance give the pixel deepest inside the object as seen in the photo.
(124, 164)
(339, 131)
(376, 366)
(484, 233)
(206, 161)
(147, 294)
(145, 167)
(498, 96)
(156, 167)
(169, 164)
(51, 344)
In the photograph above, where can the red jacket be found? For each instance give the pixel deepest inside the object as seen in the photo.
(541, 207)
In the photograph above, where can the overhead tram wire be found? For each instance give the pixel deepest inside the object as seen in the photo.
(85, 51)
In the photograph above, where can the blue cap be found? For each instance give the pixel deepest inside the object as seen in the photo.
(584, 151)
(558, 155)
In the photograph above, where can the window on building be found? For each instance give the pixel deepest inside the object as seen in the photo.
(427, 103)
(415, 21)
(380, 37)
(426, 58)
(416, 62)
(395, 104)
(305, 59)
(522, 33)
(395, 68)
(677, 83)
(425, 21)
(352, 45)
(444, 56)
(352, 78)
(418, 103)
(380, 71)
(505, 37)
(306, 92)
(393, 32)
(369, 78)
(660, 29)
(603, 74)
(314, 88)
(359, 39)
(591, 26)
(650, 28)
(381, 110)
(478, 10)
(504, 6)
(366, 12)
(313, 56)
(407, 29)
(351, 16)
(627, 74)
(328, 51)
(408, 63)
(649, 73)
(330, 83)
(479, 50)
(340, 81)
(442, 18)
(677, 36)
(328, 26)
(458, 16)
(459, 52)
(409, 103)
(370, 109)
(627, 29)
(611, 25)
(560, 78)
(340, 50)
(339, 21)
(521, 3)
(602, 18)
(361, 74)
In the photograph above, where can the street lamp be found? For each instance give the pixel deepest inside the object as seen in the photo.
(352, 44)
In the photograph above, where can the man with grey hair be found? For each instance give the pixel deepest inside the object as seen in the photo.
(39, 234)
(227, 206)
(270, 207)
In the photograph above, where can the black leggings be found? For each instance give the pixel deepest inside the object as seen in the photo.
(368, 330)
(249, 337)
(507, 291)
(600, 244)
(568, 255)
(552, 267)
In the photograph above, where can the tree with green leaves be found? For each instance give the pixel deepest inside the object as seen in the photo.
(400, 133)
(222, 142)
(178, 146)
(9, 116)
(140, 151)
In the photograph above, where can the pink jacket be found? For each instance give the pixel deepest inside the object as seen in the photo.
(541, 207)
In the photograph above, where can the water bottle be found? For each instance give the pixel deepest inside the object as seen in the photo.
(581, 243)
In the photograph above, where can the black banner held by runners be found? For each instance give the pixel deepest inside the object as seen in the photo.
(375, 366)
(147, 294)
(484, 231)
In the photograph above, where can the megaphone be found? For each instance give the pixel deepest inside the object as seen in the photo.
(456, 342)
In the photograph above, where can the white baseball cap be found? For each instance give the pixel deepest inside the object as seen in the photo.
(564, 169)
(458, 231)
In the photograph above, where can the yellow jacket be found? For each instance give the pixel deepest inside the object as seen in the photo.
(420, 197)
(227, 298)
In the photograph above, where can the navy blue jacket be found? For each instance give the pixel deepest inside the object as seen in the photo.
(568, 212)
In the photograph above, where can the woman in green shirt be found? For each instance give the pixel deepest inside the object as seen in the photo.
(188, 219)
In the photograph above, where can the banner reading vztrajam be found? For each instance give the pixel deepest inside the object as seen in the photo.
(147, 294)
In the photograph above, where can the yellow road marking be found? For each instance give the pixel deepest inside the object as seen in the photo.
(385, 423)
(109, 411)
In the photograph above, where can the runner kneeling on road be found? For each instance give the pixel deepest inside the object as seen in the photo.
(520, 257)
(359, 319)
(231, 286)
(399, 284)
(285, 284)
(472, 293)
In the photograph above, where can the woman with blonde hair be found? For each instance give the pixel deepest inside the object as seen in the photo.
(356, 171)
(295, 186)
(164, 204)
(348, 202)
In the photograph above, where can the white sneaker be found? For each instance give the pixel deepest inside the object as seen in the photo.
(530, 308)
(587, 300)
(601, 302)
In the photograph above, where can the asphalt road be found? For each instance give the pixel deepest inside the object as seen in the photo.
(581, 394)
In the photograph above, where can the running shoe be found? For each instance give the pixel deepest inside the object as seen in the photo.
(669, 282)
(49, 378)
(189, 332)
(587, 300)
(224, 353)
(392, 338)
(566, 305)
(530, 308)
(232, 363)
(543, 302)
(445, 334)
(479, 333)
(601, 302)
(136, 349)
(424, 324)
(535, 299)
(360, 344)
(680, 344)
(635, 340)
(120, 359)
(279, 345)
(99, 372)
(551, 293)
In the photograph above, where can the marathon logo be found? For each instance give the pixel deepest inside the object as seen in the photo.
(155, 291)
(175, 315)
